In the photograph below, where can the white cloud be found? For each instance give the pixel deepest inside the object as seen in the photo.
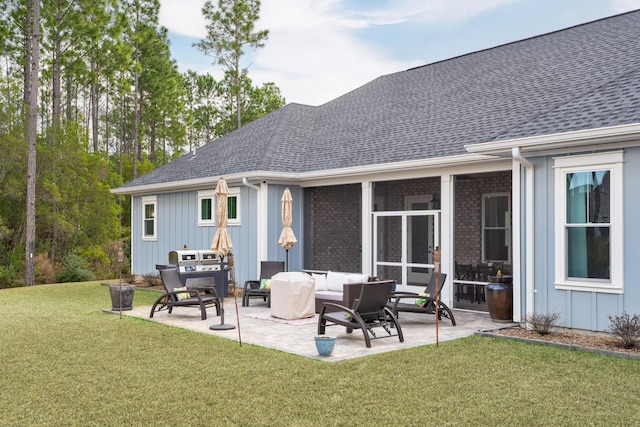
(316, 51)
(183, 17)
(620, 6)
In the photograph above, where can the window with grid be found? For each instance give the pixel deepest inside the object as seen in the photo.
(589, 221)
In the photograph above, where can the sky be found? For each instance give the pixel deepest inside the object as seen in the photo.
(318, 50)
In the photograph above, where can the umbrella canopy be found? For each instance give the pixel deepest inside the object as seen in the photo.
(287, 237)
(221, 240)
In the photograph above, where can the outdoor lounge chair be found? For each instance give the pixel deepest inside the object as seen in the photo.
(369, 311)
(252, 288)
(396, 305)
(178, 296)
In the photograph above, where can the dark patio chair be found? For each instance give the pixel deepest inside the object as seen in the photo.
(369, 311)
(175, 296)
(268, 269)
(396, 305)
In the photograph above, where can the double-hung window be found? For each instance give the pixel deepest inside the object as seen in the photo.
(588, 221)
(149, 220)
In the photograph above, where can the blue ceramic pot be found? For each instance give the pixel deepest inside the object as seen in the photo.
(325, 344)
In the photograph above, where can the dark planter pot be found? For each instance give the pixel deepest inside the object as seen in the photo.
(499, 294)
(121, 294)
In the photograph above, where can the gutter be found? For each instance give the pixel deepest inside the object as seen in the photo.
(529, 231)
(246, 182)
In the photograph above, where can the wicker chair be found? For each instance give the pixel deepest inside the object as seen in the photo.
(369, 311)
(176, 296)
(268, 269)
(396, 305)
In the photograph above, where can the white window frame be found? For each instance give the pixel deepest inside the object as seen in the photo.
(235, 192)
(150, 200)
(613, 162)
(507, 226)
(203, 195)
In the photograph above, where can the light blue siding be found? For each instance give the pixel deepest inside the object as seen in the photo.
(580, 309)
(177, 216)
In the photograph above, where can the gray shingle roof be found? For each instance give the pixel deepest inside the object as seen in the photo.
(583, 77)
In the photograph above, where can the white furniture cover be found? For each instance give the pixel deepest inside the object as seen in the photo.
(292, 295)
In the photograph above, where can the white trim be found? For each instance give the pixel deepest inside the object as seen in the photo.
(367, 209)
(446, 236)
(206, 194)
(262, 222)
(387, 171)
(580, 138)
(153, 201)
(516, 216)
(612, 161)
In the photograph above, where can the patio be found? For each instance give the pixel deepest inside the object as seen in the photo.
(296, 336)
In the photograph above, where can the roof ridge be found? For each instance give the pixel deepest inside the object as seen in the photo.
(274, 141)
(518, 41)
(566, 102)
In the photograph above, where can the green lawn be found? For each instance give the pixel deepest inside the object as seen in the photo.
(65, 363)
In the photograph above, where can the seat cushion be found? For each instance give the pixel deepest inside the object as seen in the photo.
(329, 296)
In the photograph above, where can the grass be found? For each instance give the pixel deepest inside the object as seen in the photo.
(65, 363)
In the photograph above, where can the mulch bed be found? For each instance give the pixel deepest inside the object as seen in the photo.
(600, 343)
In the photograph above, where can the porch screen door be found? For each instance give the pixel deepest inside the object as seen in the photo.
(403, 246)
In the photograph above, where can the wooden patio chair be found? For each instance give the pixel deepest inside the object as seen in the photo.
(429, 307)
(252, 288)
(369, 311)
(178, 296)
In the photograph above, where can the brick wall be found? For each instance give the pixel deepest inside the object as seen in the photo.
(335, 227)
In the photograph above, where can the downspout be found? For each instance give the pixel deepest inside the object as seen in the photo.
(246, 182)
(529, 231)
(261, 220)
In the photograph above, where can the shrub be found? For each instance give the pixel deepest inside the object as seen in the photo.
(542, 322)
(74, 270)
(626, 328)
(45, 271)
(9, 277)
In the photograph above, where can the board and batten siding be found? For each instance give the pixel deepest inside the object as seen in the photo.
(587, 310)
(177, 225)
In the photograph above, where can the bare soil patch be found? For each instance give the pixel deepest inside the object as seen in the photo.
(605, 342)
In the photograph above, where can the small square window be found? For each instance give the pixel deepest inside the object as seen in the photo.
(206, 208)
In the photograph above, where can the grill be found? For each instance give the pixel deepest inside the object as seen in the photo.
(198, 267)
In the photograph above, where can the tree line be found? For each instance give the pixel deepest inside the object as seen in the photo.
(90, 98)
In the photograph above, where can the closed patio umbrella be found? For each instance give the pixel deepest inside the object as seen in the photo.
(222, 245)
(287, 237)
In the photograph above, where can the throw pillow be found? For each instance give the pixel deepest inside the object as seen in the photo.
(181, 295)
(321, 281)
(421, 302)
(357, 277)
(265, 284)
(335, 281)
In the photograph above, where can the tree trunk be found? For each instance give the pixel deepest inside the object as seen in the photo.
(29, 274)
(94, 106)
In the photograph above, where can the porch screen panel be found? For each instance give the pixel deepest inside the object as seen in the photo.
(496, 227)
(389, 239)
(421, 241)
